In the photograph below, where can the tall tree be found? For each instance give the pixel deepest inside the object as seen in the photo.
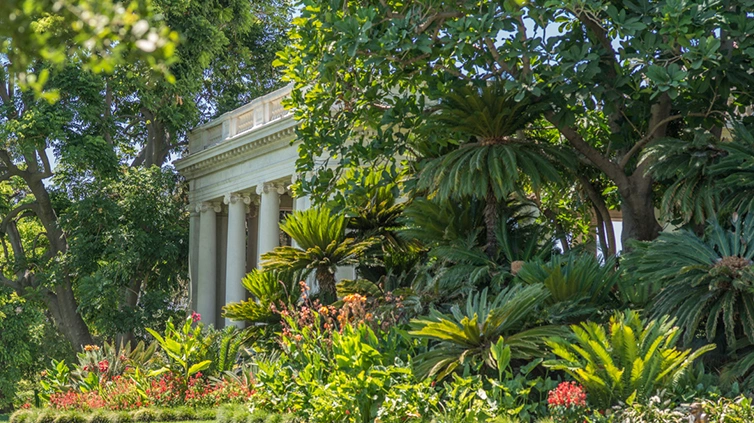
(619, 75)
(132, 116)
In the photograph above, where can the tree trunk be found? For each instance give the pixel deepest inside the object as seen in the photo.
(157, 147)
(490, 222)
(639, 221)
(130, 300)
(60, 299)
(67, 319)
(328, 292)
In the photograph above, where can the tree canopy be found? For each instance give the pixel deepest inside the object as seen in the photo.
(617, 76)
(87, 199)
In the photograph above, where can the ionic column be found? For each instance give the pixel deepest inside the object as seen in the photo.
(207, 284)
(193, 254)
(269, 218)
(235, 261)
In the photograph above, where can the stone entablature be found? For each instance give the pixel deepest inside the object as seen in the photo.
(239, 169)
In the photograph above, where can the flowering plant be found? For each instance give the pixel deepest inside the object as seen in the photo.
(568, 402)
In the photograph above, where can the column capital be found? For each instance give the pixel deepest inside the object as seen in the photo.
(207, 206)
(235, 197)
(268, 187)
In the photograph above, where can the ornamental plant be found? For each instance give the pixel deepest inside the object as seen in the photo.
(630, 362)
(184, 348)
(567, 402)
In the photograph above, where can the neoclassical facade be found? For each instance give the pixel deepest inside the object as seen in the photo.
(239, 168)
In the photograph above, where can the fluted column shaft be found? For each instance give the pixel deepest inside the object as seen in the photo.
(269, 218)
(235, 261)
(207, 284)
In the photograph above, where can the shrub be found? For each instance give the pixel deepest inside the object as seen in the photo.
(23, 416)
(633, 362)
(579, 284)
(464, 337)
(145, 415)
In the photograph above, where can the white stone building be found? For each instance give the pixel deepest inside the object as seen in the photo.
(239, 168)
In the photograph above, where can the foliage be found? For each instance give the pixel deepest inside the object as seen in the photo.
(706, 280)
(630, 363)
(465, 337)
(707, 177)
(185, 348)
(267, 288)
(322, 245)
(340, 375)
(617, 77)
(579, 284)
(126, 236)
(490, 155)
(106, 33)
(27, 340)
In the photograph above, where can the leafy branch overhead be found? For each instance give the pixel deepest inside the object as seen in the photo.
(616, 77)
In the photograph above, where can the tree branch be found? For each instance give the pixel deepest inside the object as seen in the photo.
(651, 136)
(13, 213)
(612, 170)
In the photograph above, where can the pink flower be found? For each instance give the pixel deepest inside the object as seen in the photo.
(104, 366)
(195, 316)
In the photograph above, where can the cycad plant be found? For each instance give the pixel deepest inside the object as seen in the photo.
(630, 362)
(579, 284)
(493, 158)
(465, 336)
(267, 288)
(707, 282)
(323, 244)
(706, 175)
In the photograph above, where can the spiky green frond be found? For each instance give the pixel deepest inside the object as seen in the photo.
(708, 282)
(495, 160)
(464, 336)
(487, 113)
(579, 284)
(705, 175)
(692, 194)
(266, 288)
(633, 358)
(321, 240)
(472, 170)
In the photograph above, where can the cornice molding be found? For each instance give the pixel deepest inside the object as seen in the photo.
(237, 149)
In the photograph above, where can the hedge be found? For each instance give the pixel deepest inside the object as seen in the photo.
(235, 413)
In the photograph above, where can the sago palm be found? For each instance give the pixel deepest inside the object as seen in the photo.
(705, 281)
(631, 361)
(705, 175)
(267, 288)
(579, 284)
(493, 159)
(465, 336)
(323, 244)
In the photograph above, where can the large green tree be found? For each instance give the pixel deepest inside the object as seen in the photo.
(618, 76)
(103, 122)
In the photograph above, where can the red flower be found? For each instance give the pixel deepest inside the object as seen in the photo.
(195, 316)
(104, 366)
(567, 394)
